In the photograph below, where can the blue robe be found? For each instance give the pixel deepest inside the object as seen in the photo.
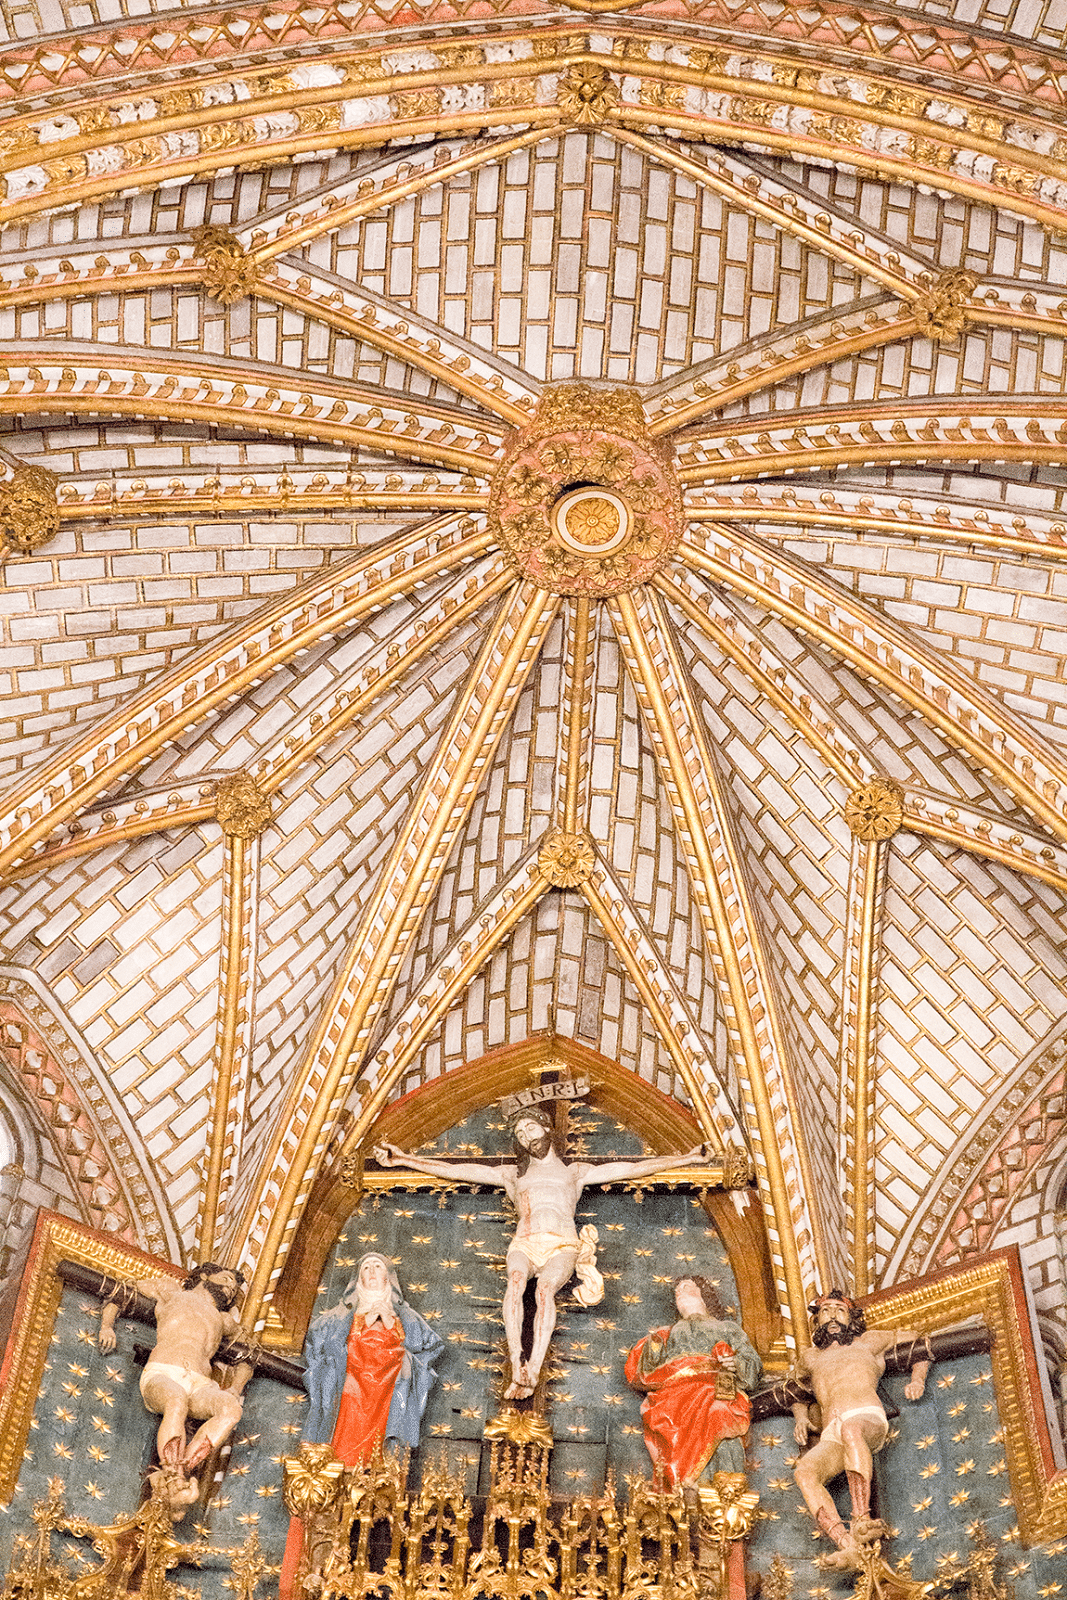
(326, 1359)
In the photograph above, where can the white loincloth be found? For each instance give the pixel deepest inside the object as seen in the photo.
(184, 1377)
(590, 1290)
(539, 1248)
(832, 1430)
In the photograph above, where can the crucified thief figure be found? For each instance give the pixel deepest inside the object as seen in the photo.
(192, 1319)
(843, 1364)
(545, 1190)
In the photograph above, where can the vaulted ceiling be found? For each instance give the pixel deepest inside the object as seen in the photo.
(328, 767)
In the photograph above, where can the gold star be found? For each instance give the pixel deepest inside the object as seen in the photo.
(931, 1471)
(963, 1468)
(95, 1453)
(959, 1499)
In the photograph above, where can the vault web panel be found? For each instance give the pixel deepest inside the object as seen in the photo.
(944, 229)
(900, 743)
(581, 258)
(973, 963)
(557, 974)
(321, 858)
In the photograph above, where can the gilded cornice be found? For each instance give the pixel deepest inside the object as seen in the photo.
(69, 780)
(824, 30)
(967, 714)
(56, 1238)
(762, 97)
(993, 1292)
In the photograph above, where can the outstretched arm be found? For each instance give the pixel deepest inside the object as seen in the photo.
(902, 1343)
(151, 1288)
(619, 1171)
(465, 1171)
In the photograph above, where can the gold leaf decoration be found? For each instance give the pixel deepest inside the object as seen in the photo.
(875, 810)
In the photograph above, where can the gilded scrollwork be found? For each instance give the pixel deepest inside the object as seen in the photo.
(875, 810)
(29, 509)
(585, 501)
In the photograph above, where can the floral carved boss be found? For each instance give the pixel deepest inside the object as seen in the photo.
(585, 500)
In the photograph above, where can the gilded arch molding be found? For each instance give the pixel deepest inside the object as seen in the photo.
(661, 1124)
(765, 97)
(108, 1168)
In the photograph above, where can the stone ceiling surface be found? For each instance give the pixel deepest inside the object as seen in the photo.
(280, 289)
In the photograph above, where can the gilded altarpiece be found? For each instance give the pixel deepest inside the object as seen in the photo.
(954, 1474)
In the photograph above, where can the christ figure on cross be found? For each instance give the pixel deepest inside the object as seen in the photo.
(545, 1189)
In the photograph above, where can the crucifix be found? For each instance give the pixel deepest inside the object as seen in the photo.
(545, 1188)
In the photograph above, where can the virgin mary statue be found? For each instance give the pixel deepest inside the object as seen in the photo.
(369, 1367)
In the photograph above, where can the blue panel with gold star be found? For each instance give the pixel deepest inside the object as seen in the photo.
(91, 1431)
(942, 1470)
(450, 1252)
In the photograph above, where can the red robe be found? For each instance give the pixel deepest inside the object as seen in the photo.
(375, 1356)
(684, 1412)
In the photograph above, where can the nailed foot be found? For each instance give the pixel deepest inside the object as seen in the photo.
(522, 1384)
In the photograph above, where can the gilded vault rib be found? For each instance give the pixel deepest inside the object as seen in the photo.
(388, 924)
(73, 776)
(719, 890)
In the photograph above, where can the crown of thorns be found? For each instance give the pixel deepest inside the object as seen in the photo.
(534, 1114)
(838, 1295)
